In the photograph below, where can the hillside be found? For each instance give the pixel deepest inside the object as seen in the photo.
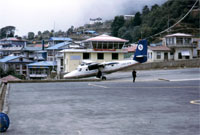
(157, 19)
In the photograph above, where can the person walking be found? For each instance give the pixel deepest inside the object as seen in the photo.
(134, 75)
(99, 74)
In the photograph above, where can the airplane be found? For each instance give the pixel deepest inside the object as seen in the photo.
(90, 68)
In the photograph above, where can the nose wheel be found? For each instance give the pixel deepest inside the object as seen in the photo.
(103, 78)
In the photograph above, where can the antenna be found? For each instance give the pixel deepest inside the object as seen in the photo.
(54, 27)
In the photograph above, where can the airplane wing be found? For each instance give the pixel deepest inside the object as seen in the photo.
(88, 62)
(100, 65)
(109, 63)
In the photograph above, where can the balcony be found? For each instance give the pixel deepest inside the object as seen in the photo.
(182, 45)
(38, 75)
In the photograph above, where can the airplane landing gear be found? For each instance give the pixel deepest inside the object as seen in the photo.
(99, 75)
(103, 78)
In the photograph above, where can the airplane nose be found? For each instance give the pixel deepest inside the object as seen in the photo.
(69, 75)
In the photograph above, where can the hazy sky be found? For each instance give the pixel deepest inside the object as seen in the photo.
(34, 15)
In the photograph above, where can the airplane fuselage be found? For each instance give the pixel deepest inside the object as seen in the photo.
(83, 70)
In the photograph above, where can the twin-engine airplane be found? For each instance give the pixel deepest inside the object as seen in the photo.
(89, 68)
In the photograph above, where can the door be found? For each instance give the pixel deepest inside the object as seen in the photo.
(165, 56)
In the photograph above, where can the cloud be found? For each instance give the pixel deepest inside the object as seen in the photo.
(35, 15)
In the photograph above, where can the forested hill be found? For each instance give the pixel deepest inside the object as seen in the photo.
(153, 20)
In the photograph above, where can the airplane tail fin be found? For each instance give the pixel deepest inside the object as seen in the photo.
(141, 51)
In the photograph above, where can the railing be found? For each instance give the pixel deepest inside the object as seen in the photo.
(38, 75)
(183, 46)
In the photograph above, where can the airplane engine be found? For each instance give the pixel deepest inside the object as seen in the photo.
(94, 66)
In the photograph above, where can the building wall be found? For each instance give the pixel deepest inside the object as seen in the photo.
(152, 56)
(179, 50)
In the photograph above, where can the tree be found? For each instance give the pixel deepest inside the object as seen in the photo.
(8, 31)
(154, 7)
(136, 33)
(31, 35)
(116, 25)
(137, 19)
(70, 30)
(39, 33)
(11, 71)
(145, 10)
(121, 31)
(46, 34)
(128, 35)
(2, 72)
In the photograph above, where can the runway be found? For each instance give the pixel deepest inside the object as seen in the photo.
(112, 107)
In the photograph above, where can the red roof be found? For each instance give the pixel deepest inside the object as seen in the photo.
(131, 48)
(159, 48)
(40, 45)
(11, 39)
(9, 78)
(106, 38)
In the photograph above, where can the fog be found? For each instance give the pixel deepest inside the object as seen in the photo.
(39, 15)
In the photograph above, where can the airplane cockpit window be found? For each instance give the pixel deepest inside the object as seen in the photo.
(79, 69)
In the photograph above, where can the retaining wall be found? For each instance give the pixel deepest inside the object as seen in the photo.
(167, 64)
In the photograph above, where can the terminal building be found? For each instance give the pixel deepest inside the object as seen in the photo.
(102, 48)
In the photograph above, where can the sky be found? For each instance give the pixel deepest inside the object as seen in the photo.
(40, 15)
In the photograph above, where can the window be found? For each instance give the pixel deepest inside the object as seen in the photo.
(100, 56)
(179, 41)
(158, 55)
(179, 55)
(86, 56)
(187, 41)
(115, 56)
(187, 57)
(150, 55)
(61, 62)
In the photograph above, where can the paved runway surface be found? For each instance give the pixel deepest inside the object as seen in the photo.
(113, 107)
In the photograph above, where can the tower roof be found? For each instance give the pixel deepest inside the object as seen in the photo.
(106, 38)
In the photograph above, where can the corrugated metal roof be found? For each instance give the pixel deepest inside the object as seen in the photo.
(159, 48)
(40, 45)
(58, 46)
(60, 39)
(106, 38)
(179, 35)
(43, 63)
(131, 49)
(32, 48)
(11, 48)
(8, 58)
(90, 31)
(9, 78)
(11, 39)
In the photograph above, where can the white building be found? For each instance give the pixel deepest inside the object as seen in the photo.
(128, 17)
(158, 53)
(102, 48)
(96, 20)
(181, 45)
(196, 42)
